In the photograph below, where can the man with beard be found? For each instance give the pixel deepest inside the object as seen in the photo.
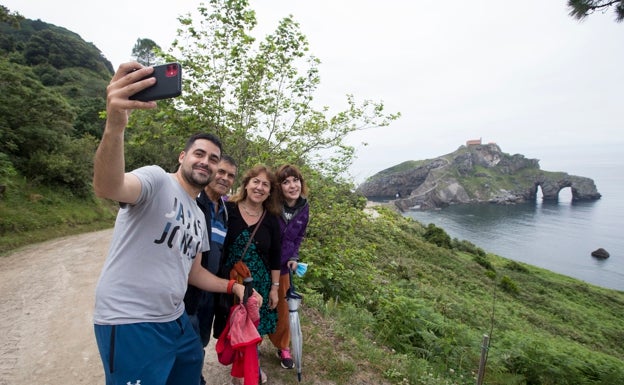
(200, 304)
(143, 333)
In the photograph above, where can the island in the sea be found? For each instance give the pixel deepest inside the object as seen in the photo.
(474, 173)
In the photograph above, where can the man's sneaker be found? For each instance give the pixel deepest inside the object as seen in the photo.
(285, 358)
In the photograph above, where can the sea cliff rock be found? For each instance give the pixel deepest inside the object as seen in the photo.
(472, 174)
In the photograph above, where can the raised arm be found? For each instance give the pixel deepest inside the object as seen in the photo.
(109, 177)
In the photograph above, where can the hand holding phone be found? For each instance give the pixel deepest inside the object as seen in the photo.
(168, 83)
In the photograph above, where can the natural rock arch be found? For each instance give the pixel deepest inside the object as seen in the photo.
(582, 188)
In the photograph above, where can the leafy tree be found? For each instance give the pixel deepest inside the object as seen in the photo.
(580, 9)
(12, 18)
(148, 140)
(63, 49)
(7, 170)
(258, 97)
(145, 51)
(32, 117)
(71, 167)
(52, 89)
(87, 116)
(36, 133)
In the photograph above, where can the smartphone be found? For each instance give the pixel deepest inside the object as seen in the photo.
(168, 83)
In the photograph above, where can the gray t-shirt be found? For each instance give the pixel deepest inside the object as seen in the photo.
(154, 243)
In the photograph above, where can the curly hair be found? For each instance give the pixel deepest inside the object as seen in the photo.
(273, 203)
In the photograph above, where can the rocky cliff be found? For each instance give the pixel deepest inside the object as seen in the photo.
(472, 174)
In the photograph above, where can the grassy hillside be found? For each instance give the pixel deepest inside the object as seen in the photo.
(384, 303)
(31, 214)
(431, 305)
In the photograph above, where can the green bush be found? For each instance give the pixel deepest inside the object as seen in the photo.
(508, 285)
(72, 168)
(515, 266)
(437, 236)
(468, 247)
(483, 261)
(7, 171)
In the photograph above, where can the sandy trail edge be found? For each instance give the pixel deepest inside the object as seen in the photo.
(46, 308)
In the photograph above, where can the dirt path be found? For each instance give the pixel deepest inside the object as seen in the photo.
(46, 306)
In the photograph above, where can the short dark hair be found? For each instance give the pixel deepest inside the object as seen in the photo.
(203, 135)
(228, 159)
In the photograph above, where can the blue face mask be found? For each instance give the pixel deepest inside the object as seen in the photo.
(301, 269)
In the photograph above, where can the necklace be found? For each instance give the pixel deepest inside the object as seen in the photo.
(251, 214)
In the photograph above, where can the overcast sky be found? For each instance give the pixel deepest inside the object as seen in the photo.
(522, 74)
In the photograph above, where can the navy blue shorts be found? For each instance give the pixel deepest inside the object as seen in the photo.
(151, 353)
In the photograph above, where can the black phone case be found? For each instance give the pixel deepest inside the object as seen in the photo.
(168, 83)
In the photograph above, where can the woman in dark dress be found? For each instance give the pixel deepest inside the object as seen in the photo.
(257, 204)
